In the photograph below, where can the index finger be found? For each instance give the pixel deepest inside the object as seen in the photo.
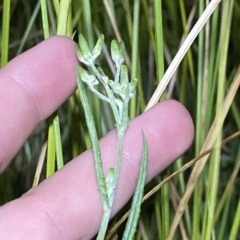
(32, 86)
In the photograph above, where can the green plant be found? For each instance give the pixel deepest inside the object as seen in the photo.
(117, 93)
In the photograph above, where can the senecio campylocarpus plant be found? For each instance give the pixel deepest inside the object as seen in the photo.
(117, 93)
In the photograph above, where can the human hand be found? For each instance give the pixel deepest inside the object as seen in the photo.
(67, 205)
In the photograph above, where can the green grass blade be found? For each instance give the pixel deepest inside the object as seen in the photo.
(87, 20)
(236, 224)
(51, 151)
(58, 143)
(199, 122)
(45, 19)
(134, 59)
(165, 209)
(29, 27)
(159, 39)
(214, 167)
(5, 31)
(63, 16)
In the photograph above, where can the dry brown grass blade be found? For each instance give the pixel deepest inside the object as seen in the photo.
(157, 188)
(181, 53)
(175, 198)
(40, 165)
(209, 142)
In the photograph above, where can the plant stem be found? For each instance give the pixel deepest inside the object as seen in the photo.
(94, 139)
(5, 32)
(109, 93)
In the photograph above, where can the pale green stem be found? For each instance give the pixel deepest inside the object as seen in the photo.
(96, 149)
(107, 214)
(45, 18)
(109, 93)
(5, 32)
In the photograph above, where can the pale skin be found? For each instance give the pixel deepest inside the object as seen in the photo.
(67, 205)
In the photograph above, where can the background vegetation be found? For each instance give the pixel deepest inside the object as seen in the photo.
(153, 31)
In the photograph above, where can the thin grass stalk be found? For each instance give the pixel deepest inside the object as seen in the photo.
(134, 60)
(159, 39)
(146, 9)
(181, 53)
(187, 65)
(5, 32)
(205, 76)
(45, 19)
(215, 162)
(158, 216)
(165, 209)
(87, 22)
(112, 19)
(76, 17)
(236, 114)
(56, 4)
(29, 27)
(198, 168)
(160, 70)
(129, 19)
(69, 31)
(52, 16)
(212, 66)
(54, 133)
(186, 26)
(174, 196)
(234, 233)
(51, 150)
(181, 182)
(51, 146)
(63, 17)
(88, 30)
(224, 222)
(228, 191)
(40, 165)
(198, 128)
(199, 120)
(50, 169)
(116, 30)
(58, 143)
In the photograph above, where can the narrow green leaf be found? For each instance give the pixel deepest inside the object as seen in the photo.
(29, 28)
(45, 19)
(85, 50)
(137, 198)
(124, 75)
(98, 47)
(121, 47)
(5, 32)
(51, 151)
(64, 8)
(132, 86)
(58, 142)
(116, 53)
(102, 186)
